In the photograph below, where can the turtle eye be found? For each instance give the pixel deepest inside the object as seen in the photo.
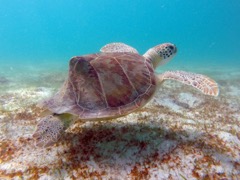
(171, 47)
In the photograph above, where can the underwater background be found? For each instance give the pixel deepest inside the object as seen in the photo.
(41, 32)
(180, 134)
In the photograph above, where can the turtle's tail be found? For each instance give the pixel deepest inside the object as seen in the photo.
(48, 131)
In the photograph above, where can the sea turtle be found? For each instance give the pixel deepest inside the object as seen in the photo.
(111, 84)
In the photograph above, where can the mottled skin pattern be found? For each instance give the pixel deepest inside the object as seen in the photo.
(105, 85)
(203, 83)
(118, 47)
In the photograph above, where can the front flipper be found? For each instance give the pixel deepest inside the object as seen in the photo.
(48, 131)
(118, 47)
(203, 83)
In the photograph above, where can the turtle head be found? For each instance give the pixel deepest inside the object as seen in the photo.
(161, 54)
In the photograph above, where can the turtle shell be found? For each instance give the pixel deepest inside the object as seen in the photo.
(105, 85)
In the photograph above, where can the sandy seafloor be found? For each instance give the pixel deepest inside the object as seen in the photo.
(180, 134)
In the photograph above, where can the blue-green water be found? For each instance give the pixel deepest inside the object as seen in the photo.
(57, 30)
(36, 35)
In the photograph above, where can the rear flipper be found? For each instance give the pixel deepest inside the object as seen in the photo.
(48, 131)
(203, 83)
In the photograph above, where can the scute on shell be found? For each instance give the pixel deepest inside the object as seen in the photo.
(105, 85)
